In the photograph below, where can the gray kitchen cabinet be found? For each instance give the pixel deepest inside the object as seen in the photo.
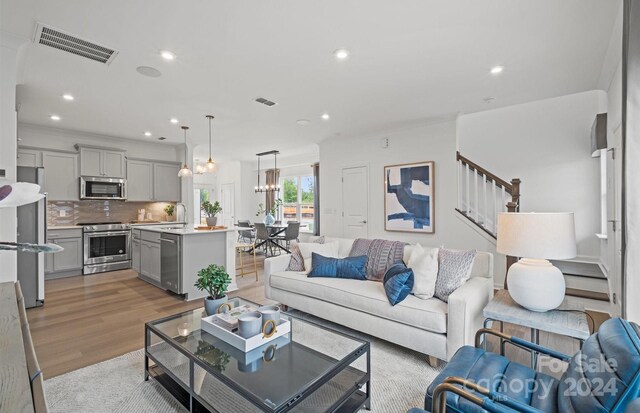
(95, 161)
(166, 183)
(70, 260)
(139, 180)
(29, 157)
(61, 176)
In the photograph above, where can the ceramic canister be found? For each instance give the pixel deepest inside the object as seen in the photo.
(270, 312)
(250, 324)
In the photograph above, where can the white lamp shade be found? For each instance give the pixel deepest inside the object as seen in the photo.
(537, 235)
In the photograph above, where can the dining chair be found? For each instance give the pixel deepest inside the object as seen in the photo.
(262, 234)
(245, 235)
(290, 234)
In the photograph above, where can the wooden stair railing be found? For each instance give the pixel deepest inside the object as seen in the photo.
(482, 195)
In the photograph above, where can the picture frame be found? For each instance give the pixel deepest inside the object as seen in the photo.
(409, 197)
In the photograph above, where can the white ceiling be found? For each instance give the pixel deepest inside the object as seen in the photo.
(411, 61)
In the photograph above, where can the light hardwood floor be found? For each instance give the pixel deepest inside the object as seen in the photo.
(89, 319)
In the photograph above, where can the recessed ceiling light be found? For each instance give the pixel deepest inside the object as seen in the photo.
(148, 71)
(147, 133)
(303, 122)
(167, 55)
(67, 96)
(496, 70)
(341, 54)
(174, 121)
(54, 117)
(325, 116)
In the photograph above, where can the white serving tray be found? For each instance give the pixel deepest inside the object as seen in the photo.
(244, 344)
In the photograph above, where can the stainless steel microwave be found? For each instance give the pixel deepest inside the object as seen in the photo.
(103, 188)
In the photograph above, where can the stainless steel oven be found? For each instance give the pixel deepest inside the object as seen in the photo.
(107, 247)
(92, 187)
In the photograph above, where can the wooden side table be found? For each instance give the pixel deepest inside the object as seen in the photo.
(568, 320)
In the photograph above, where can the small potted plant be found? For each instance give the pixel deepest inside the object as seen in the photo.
(211, 210)
(169, 209)
(269, 217)
(215, 280)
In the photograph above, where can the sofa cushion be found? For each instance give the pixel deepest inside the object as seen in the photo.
(328, 249)
(424, 263)
(349, 267)
(366, 296)
(296, 263)
(398, 283)
(454, 268)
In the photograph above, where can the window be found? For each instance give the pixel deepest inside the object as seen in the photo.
(199, 196)
(298, 198)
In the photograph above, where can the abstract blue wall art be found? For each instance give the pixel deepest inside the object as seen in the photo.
(408, 197)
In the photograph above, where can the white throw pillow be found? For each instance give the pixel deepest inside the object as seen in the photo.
(424, 263)
(329, 249)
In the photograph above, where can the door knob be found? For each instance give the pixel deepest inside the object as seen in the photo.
(363, 222)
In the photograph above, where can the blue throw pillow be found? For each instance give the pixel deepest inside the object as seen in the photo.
(398, 282)
(351, 267)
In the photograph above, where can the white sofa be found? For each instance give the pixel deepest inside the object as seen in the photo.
(431, 326)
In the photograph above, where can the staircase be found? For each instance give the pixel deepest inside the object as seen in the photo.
(482, 196)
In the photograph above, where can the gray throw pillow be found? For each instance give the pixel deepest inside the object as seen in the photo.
(454, 268)
(296, 263)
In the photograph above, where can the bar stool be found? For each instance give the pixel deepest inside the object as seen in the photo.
(240, 248)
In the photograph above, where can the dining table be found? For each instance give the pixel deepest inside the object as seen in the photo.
(274, 231)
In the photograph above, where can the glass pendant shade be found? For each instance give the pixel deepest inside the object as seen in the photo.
(185, 172)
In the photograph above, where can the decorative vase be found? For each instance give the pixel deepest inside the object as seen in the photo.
(269, 219)
(211, 305)
(211, 221)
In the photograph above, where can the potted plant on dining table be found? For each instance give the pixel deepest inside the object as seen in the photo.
(269, 214)
(215, 280)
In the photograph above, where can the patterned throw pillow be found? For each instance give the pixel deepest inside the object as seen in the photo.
(454, 268)
(398, 282)
(353, 268)
(296, 263)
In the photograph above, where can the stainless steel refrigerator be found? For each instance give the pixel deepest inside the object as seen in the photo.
(32, 227)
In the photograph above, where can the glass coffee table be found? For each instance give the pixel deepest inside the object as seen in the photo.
(311, 369)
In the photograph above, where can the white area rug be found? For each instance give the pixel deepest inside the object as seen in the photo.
(400, 378)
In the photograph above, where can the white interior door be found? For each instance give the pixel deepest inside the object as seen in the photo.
(355, 202)
(227, 199)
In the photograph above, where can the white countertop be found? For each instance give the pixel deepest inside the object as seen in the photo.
(183, 231)
(64, 227)
(149, 224)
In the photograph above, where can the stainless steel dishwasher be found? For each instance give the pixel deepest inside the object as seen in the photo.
(171, 262)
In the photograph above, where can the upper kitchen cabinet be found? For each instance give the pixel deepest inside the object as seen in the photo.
(61, 176)
(166, 182)
(107, 162)
(29, 157)
(139, 180)
(153, 181)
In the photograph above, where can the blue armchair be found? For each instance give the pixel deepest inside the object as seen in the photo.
(603, 377)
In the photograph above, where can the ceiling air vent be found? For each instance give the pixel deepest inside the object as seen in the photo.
(60, 40)
(266, 102)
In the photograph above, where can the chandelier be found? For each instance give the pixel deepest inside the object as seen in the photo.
(272, 187)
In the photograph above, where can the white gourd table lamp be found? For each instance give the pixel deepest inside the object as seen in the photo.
(533, 281)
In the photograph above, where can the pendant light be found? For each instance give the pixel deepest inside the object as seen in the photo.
(210, 166)
(268, 188)
(185, 172)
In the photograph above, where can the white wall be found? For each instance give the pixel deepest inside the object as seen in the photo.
(433, 142)
(8, 222)
(547, 145)
(62, 139)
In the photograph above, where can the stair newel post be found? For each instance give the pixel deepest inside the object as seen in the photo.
(513, 206)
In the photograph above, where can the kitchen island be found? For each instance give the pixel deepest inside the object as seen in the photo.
(170, 257)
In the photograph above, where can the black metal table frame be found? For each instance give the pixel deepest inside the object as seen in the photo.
(272, 241)
(293, 401)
